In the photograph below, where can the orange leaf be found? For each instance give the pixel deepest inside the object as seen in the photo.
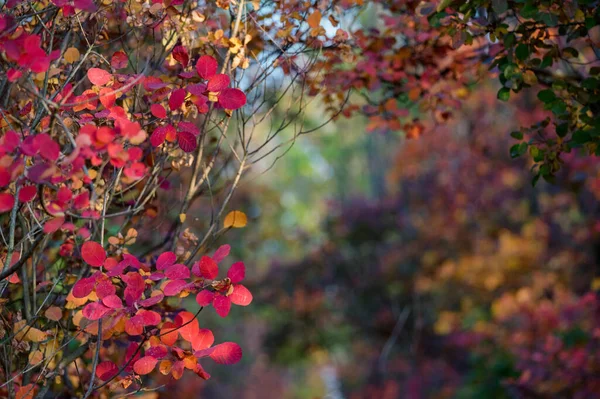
(53, 313)
(314, 20)
(145, 365)
(235, 219)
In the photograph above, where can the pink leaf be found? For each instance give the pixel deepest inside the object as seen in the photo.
(112, 301)
(206, 66)
(93, 253)
(237, 272)
(177, 271)
(165, 260)
(232, 99)
(174, 287)
(205, 297)
(95, 311)
(222, 305)
(187, 141)
(241, 295)
(98, 77)
(218, 82)
(145, 365)
(227, 353)
(221, 253)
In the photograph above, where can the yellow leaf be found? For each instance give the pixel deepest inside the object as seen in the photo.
(182, 217)
(235, 219)
(36, 357)
(23, 332)
(72, 55)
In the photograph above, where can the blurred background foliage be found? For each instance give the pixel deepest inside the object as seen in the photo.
(394, 268)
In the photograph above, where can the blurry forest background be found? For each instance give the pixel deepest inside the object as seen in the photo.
(393, 268)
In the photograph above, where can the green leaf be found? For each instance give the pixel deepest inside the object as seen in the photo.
(562, 129)
(504, 94)
(522, 52)
(589, 83)
(517, 135)
(443, 5)
(581, 137)
(518, 149)
(546, 96)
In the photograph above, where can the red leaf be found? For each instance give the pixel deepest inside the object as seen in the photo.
(177, 271)
(27, 193)
(205, 297)
(105, 288)
(222, 305)
(129, 355)
(218, 82)
(7, 201)
(237, 272)
(181, 55)
(106, 370)
(232, 99)
(187, 141)
(187, 325)
(148, 317)
(49, 149)
(95, 311)
(145, 365)
(208, 268)
(153, 300)
(98, 77)
(158, 136)
(227, 353)
(83, 287)
(241, 295)
(206, 66)
(203, 340)
(112, 301)
(165, 260)
(158, 111)
(53, 224)
(177, 98)
(93, 253)
(168, 333)
(221, 253)
(119, 60)
(134, 326)
(174, 287)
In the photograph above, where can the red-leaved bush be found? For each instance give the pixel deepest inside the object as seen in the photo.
(125, 129)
